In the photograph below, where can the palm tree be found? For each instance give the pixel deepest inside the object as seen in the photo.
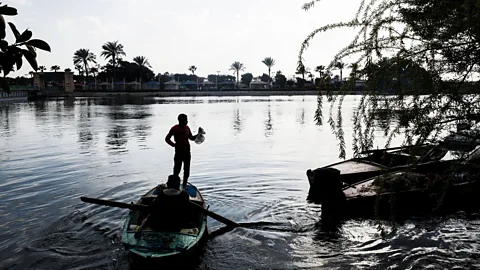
(339, 65)
(55, 68)
(83, 57)
(42, 68)
(269, 62)
(79, 69)
(310, 75)
(192, 69)
(94, 71)
(237, 67)
(113, 50)
(320, 70)
(301, 70)
(141, 61)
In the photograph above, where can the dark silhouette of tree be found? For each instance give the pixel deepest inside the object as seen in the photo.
(237, 67)
(12, 54)
(269, 62)
(113, 51)
(55, 68)
(84, 57)
(440, 36)
(247, 78)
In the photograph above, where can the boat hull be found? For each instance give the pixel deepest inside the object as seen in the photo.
(155, 245)
(438, 199)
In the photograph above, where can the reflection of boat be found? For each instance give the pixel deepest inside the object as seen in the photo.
(377, 162)
(178, 232)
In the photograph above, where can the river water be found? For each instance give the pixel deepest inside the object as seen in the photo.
(251, 168)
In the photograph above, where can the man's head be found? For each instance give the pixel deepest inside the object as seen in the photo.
(173, 182)
(182, 119)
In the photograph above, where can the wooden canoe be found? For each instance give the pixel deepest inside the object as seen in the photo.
(167, 238)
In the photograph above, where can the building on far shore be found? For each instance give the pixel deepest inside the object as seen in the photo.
(258, 85)
(54, 81)
(172, 85)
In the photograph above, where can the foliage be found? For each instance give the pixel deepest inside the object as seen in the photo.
(11, 55)
(192, 69)
(264, 78)
(247, 78)
(221, 78)
(141, 61)
(55, 68)
(237, 67)
(433, 47)
(84, 57)
(280, 79)
(113, 51)
(269, 62)
(127, 70)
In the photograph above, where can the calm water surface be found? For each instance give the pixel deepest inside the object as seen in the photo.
(251, 168)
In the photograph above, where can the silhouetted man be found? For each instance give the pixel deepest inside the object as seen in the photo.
(181, 134)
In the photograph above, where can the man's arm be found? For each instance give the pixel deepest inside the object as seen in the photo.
(191, 136)
(168, 138)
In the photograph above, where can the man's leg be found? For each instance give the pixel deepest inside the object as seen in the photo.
(177, 164)
(186, 168)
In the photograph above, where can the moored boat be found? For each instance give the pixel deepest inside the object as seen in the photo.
(173, 234)
(374, 163)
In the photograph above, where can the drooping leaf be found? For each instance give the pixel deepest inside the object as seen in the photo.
(26, 35)
(4, 85)
(19, 61)
(32, 51)
(37, 43)
(7, 62)
(3, 45)
(14, 30)
(32, 60)
(6, 10)
(3, 27)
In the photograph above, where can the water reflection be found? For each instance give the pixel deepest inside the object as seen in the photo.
(237, 122)
(301, 117)
(117, 139)
(268, 123)
(7, 120)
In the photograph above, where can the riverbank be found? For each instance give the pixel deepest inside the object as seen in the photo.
(183, 93)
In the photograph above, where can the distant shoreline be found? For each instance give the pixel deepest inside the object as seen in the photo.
(187, 93)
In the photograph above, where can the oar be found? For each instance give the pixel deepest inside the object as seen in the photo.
(146, 208)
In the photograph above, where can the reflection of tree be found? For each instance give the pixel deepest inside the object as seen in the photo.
(268, 123)
(301, 118)
(117, 137)
(237, 122)
(7, 126)
(142, 131)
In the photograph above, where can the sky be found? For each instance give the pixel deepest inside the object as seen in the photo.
(175, 34)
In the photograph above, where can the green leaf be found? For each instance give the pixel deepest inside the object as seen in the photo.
(37, 43)
(4, 85)
(14, 30)
(3, 26)
(6, 10)
(26, 35)
(19, 61)
(31, 59)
